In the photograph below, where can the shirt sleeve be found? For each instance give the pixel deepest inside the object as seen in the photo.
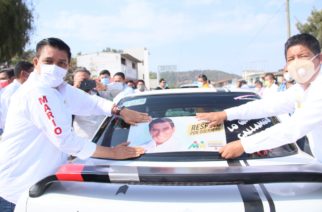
(303, 120)
(48, 113)
(281, 103)
(84, 104)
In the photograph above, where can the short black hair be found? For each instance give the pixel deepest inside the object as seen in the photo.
(9, 72)
(161, 120)
(306, 40)
(204, 77)
(53, 42)
(271, 75)
(161, 80)
(121, 74)
(140, 80)
(81, 69)
(105, 72)
(259, 82)
(22, 66)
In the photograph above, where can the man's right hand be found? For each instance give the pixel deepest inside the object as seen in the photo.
(213, 118)
(121, 151)
(134, 117)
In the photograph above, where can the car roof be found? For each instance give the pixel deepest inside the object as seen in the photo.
(189, 90)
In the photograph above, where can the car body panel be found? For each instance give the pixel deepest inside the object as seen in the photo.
(177, 181)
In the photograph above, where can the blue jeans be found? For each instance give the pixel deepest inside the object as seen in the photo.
(6, 206)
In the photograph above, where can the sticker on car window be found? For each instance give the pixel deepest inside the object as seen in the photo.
(172, 134)
(238, 129)
(135, 102)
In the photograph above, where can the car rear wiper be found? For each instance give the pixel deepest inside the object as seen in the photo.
(232, 175)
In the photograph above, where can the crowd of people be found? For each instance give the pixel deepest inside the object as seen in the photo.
(45, 120)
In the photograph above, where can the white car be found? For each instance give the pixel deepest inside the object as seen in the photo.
(188, 174)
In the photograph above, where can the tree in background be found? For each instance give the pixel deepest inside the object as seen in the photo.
(16, 24)
(24, 56)
(313, 25)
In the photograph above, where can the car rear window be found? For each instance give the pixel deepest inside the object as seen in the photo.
(175, 125)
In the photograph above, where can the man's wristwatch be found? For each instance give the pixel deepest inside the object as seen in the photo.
(116, 110)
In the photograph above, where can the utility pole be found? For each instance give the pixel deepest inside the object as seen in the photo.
(288, 23)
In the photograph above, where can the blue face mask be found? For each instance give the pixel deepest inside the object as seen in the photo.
(105, 81)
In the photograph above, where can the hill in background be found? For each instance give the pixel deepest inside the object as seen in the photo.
(175, 79)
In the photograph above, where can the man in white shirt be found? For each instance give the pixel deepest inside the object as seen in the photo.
(6, 77)
(22, 72)
(38, 137)
(85, 126)
(119, 78)
(303, 58)
(270, 88)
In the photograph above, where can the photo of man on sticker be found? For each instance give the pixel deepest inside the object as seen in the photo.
(161, 131)
(177, 134)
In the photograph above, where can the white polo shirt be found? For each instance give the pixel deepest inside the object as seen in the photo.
(306, 119)
(39, 135)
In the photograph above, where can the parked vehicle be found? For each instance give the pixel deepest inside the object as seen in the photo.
(189, 174)
(191, 85)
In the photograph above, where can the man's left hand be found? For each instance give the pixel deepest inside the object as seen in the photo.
(232, 150)
(134, 117)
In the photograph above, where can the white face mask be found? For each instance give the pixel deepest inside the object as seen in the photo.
(52, 75)
(302, 70)
(141, 87)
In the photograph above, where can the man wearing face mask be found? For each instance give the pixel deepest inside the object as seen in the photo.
(140, 86)
(304, 100)
(6, 77)
(38, 135)
(104, 77)
(22, 71)
(270, 87)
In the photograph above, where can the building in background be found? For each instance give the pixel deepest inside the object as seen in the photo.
(251, 76)
(132, 62)
(141, 54)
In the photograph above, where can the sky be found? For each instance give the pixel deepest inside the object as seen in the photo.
(226, 35)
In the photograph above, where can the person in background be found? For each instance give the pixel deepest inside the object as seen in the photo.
(79, 75)
(259, 88)
(162, 85)
(289, 80)
(85, 126)
(303, 100)
(140, 86)
(39, 138)
(105, 77)
(130, 83)
(119, 80)
(22, 71)
(242, 84)
(6, 77)
(203, 81)
(270, 85)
